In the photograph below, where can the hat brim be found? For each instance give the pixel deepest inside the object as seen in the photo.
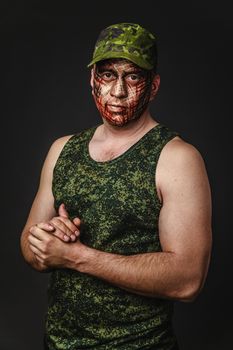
(135, 59)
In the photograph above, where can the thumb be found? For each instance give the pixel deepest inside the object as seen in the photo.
(62, 211)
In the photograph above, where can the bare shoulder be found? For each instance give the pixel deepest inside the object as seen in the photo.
(179, 152)
(58, 144)
(56, 149)
(180, 163)
(180, 155)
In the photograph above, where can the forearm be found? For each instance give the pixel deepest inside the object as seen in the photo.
(29, 256)
(161, 274)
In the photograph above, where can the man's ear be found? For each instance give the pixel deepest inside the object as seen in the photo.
(154, 86)
(92, 80)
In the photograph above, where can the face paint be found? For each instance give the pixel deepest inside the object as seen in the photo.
(121, 90)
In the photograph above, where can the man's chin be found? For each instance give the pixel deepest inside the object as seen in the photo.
(118, 120)
(118, 123)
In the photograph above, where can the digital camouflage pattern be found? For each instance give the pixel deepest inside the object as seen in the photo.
(126, 40)
(119, 208)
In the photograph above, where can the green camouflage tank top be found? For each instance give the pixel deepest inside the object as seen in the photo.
(117, 203)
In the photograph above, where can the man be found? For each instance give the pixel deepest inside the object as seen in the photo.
(122, 217)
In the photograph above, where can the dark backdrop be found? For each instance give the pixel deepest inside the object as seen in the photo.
(46, 94)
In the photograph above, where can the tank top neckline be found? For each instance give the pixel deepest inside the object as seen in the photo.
(155, 128)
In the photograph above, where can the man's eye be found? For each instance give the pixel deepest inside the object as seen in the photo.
(107, 75)
(133, 77)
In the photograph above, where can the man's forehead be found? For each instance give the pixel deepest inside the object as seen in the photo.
(118, 63)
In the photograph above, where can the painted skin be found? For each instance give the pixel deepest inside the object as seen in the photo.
(121, 90)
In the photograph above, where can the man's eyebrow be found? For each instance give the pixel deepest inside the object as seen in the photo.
(134, 71)
(140, 72)
(131, 70)
(102, 69)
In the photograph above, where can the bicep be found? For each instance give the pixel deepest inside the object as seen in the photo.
(185, 217)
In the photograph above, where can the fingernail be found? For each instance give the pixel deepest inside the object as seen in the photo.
(76, 233)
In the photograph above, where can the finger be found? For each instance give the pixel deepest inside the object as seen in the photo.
(62, 211)
(73, 238)
(77, 233)
(38, 233)
(35, 250)
(52, 230)
(40, 260)
(60, 234)
(45, 226)
(64, 225)
(77, 222)
(34, 241)
(38, 256)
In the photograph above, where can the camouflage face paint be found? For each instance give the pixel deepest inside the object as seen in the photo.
(121, 90)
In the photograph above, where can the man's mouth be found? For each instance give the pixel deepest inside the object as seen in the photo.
(116, 108)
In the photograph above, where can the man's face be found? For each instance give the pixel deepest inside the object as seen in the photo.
(121, 90)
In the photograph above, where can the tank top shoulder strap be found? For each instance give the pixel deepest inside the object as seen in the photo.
(161, 135)
(156, 139)
(76, 141)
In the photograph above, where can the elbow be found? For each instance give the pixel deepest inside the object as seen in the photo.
(39, 267)
(189, 292)
(189, 296)
(192, 281)
(36, 265)
(31, 261)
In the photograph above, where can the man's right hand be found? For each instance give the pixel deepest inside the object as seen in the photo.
(61, 226)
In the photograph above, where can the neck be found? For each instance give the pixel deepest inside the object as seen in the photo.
(131, 129)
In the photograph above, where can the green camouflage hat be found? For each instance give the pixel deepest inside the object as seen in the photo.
(126, 40)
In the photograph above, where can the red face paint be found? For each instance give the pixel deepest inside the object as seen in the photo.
(121, 90)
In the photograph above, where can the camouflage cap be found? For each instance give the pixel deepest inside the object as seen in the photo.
(126, 40)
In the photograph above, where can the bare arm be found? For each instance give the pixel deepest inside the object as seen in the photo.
(179, 271)
(42, 209)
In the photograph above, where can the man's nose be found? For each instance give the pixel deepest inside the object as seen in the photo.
(119, 89)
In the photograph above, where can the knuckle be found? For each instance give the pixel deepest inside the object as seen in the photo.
(43, 247)
(66, 225)
(74, 227)
(43, 257)
(57, 223)
(63, 219)
(68, 232)
(46, 245)
(59, 234)
(31, 229)
(40, 225)
(44, 224)
(53, 220)
(66, 221)
(61, 227)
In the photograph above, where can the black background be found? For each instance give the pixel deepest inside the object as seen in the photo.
(46, 94)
